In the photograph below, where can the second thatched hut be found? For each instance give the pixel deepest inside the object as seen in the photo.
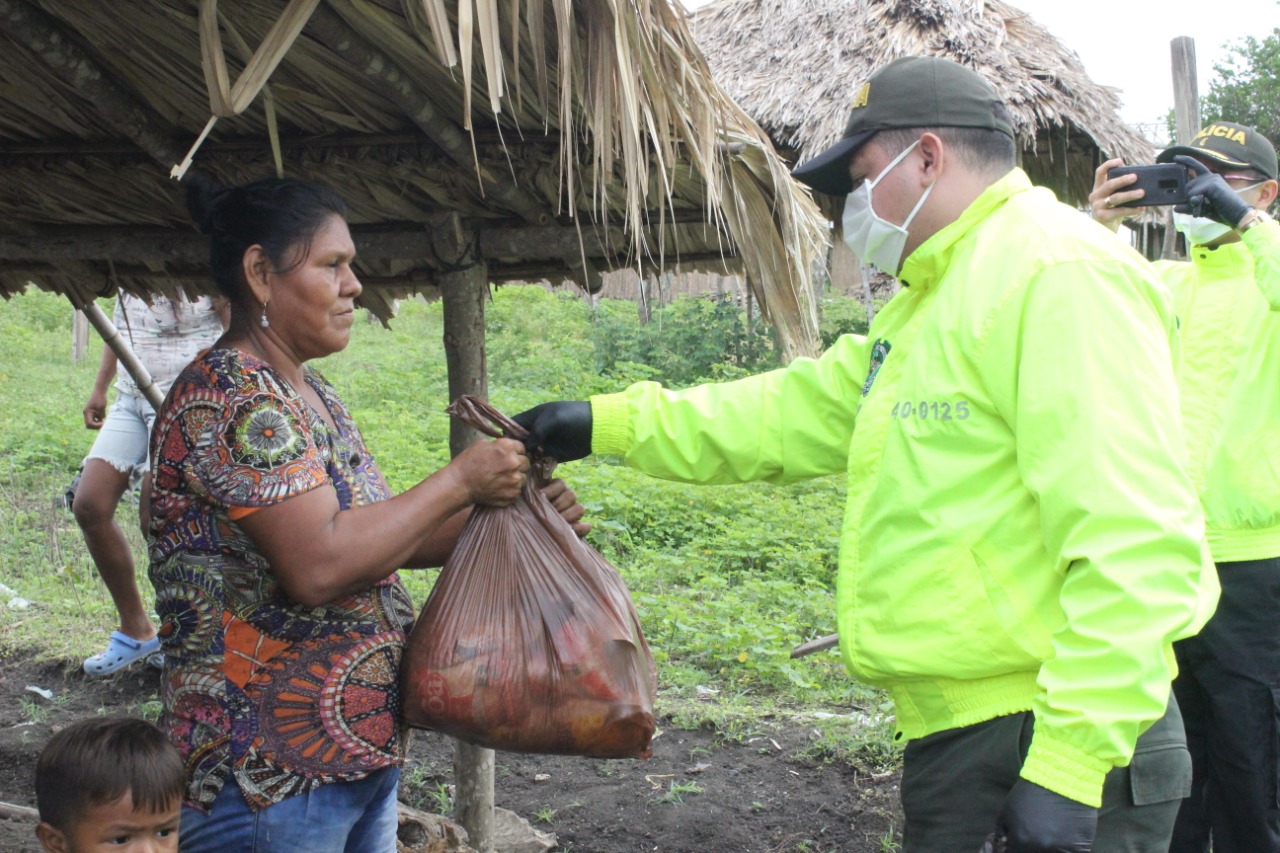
(793, 66)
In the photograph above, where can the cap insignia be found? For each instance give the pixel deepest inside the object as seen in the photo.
(860, 97)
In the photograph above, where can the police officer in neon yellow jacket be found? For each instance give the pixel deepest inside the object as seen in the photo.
(1022, 542)
(1228, 363)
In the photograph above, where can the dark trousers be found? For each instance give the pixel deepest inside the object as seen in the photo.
(1229, 689)
(954, 783)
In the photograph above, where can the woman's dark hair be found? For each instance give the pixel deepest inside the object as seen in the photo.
(98, 761)
(280, 214)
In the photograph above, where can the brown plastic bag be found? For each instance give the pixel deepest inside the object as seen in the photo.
(529, 641)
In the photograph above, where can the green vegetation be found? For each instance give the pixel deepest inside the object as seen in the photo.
(1246, 89)
(726, 579)
(675, 793)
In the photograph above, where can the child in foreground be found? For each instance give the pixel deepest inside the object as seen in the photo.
(109, 784)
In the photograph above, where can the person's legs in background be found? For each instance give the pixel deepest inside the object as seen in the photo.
(1235, 660)
(1191, 832)
(1140, 802)
(120, 446)
(954, 784)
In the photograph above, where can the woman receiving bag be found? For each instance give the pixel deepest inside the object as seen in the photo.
(275, 543)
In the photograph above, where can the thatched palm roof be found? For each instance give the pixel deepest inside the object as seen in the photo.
(552, 138)
(794, 65)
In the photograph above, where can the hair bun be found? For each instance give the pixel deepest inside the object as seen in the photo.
(204, 199)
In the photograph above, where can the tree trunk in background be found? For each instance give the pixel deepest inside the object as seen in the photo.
(464, 293)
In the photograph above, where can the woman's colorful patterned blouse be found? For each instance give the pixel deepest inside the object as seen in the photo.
(284, 697)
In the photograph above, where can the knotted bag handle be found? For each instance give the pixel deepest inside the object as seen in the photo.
(484, 418)
(479, 415)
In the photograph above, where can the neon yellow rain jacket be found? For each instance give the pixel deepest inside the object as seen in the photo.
(1020, 531)
(1228, 300)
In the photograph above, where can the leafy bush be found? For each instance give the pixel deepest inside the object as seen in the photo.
(841, 315)
(688, 340)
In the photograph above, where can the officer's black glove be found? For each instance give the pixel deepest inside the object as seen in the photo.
(560, 430)
(1210, 196)
(1036, 820)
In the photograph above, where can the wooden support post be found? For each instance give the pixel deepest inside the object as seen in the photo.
(1186, 111)
(463, 291)
(1186, 95)
(463, 288)
(473, 794)
(79, 336)
(643, 310)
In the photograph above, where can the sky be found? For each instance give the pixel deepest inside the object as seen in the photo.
(1126, 43)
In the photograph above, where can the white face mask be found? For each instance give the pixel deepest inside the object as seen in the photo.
(877, 241)
(1200, 230)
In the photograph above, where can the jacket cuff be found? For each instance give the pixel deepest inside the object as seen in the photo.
(1263, 238)
(1065, 770)
(610, 425)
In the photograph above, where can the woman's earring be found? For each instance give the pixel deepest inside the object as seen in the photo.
(264, 323)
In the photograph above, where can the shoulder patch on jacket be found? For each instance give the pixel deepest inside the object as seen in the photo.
(879, 352)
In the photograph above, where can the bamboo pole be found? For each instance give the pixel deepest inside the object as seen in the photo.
(822, 643)
(13, 812)
(112, 337)
(463, 292)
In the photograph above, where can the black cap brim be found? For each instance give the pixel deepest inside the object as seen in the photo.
(1167, 155)
(829, 171)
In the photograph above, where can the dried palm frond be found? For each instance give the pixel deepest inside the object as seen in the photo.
(597, 113)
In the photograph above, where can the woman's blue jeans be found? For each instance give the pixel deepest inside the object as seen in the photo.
(341, 817)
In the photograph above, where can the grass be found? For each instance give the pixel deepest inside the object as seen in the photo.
(440, 798)
(890, 842)
(675, 793)
(726, 579)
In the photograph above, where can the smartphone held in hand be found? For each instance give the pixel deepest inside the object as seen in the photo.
(1164, 183)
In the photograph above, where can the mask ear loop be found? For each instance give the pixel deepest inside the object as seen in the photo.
(896, 160)
(919, 204)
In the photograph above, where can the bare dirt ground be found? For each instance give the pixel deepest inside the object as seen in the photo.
(752, 795)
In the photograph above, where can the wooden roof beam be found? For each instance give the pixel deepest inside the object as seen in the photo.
(41, 33)
(327, 27)
(230, 145)
(128, 245)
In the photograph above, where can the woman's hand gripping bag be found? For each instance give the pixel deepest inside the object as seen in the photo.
(529, 641)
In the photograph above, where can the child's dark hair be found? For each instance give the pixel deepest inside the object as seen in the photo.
(279, 214)
(98, 760)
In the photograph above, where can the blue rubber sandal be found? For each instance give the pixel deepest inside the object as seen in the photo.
(121, 651)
